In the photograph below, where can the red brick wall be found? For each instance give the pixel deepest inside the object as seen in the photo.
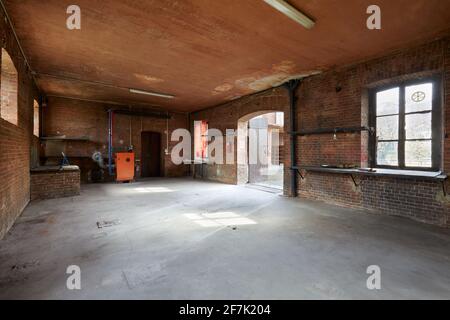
(338, 98)
(16, 140)
(416, 199)
(75, 119)
(8, 89)
(226, 116)
(446, 98)
(322, 106)
(48, 185)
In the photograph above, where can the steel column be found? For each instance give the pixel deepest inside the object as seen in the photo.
(292, 86)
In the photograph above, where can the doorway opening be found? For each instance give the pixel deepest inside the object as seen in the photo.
(260, 149)
(150, 154)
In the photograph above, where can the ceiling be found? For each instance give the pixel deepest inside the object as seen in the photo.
(202, 51)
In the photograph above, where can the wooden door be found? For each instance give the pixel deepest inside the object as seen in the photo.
(151, 154)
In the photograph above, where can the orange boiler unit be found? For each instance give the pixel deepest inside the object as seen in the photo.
(124, 166)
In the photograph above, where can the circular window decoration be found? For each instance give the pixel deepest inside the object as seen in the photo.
(418, 96)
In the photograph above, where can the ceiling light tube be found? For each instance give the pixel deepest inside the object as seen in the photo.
(291, 12)
(149, 93)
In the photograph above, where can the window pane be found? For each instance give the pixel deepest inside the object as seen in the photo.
(418, 126)
(418, 153)
(8, 89)
(200, 139)
(204, 139)
(279, 118)
(197, 139)
(387, 153)
(36, 118)
(387, 128)
(387, 101)
(418, 97)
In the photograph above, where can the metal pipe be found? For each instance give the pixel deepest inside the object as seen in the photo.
(167, 135)
(154, 107)
(333, 130)
(151, 114)
(103, 84)
(8, 19)
(110, 123)
(292, 86)
(27, 63)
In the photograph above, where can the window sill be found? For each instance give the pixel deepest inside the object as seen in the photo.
(409, 174)
(196, 161)
(46, 169)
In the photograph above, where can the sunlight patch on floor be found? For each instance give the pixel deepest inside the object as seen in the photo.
(219, 219)
(153, 189)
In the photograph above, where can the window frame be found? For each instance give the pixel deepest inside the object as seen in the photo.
(36, 103)
(202, 139)
(436, 124)
(15, 121)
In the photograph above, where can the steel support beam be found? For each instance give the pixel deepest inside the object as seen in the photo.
(292, 86)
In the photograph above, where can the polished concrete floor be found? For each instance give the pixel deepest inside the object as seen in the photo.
(187, 239)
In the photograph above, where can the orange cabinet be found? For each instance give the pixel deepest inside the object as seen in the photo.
(124, 166)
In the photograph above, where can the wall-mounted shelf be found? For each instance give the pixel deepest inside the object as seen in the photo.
(45, 169)
(57, 138)
(438, 176)
(331, 130)
(69, 156)
(427, 175)
(142, 113)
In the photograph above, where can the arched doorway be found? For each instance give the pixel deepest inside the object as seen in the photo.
(260, 149)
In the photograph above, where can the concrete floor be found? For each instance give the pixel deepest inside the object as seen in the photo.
(272, 177)
(187, 239)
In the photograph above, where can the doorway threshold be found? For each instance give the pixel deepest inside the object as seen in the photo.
(265, 188)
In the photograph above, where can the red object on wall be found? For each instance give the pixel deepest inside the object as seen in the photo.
(201, 139)
(124, 166)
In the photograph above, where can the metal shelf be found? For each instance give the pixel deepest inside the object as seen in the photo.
(64, 139)
(331, 130)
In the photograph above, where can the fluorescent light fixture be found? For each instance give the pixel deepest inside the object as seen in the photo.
(291, 12)
(155, 94)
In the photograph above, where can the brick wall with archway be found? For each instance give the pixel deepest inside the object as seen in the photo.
(229, 115)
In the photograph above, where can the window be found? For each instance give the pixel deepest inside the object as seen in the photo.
(200, 140)
(8, 88)
(36, 118)
(407, 124)
(279, 118)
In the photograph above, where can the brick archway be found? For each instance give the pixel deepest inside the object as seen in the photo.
(231, 115)
(243, 165)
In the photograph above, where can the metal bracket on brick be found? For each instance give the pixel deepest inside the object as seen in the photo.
(444, 188)
(354, 181)
(299, 173)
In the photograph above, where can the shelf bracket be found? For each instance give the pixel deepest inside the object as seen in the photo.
(354, 181)
(299, 173)
(444, 189)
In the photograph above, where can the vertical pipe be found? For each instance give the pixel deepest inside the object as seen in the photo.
(131, 131)
(190, 173)
(42, 105)
(112, 140)
(110, 113)
(292, 86)
(166, 152)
